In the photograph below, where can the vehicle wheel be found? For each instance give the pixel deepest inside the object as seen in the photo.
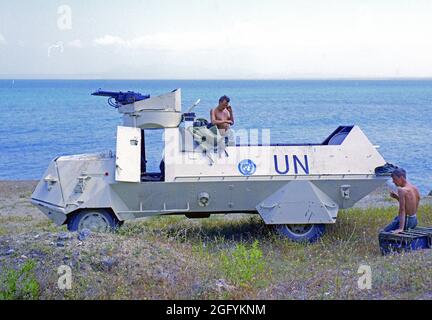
(95, 220)
(301, 232)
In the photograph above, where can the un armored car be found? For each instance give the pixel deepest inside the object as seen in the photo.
(297, 188)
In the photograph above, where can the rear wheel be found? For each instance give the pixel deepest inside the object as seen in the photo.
(96, 220)
(301, 232)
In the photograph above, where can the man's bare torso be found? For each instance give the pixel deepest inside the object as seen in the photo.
(412, 199)
(222, 115)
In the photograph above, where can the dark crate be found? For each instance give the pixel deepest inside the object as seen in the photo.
(423, 230)
(406, 241)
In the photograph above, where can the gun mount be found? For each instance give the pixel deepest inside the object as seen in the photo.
(141, 111)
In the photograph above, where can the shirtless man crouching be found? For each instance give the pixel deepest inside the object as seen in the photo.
(409, 198)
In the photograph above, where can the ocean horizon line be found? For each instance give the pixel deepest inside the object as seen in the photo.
(225, 79)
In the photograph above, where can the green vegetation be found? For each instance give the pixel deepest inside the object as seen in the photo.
(15, 219)
(19, 284)
(243, 264)
(223, 257)
(15, 224)
(25, 195)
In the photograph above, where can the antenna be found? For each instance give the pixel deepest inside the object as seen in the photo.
(194, 105)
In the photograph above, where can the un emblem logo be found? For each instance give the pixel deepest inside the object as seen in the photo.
(247, 167)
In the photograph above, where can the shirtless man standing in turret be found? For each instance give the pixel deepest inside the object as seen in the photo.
(222, 116)
(409, 198)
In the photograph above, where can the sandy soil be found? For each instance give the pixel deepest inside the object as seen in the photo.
(15, 198)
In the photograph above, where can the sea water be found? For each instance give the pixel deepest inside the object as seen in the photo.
(42, 119)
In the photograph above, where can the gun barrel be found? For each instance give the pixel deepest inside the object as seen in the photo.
(122, 98)
(106, 93)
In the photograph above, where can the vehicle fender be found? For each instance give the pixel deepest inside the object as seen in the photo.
(298, 202)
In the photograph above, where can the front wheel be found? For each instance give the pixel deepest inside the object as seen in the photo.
(95, 220)
(301, 232)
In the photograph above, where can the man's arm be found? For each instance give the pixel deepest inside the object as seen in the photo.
(216, 121)
(231, 114)
(394, 195)
(402, 213)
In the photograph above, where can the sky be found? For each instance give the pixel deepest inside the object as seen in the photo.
(215, 39)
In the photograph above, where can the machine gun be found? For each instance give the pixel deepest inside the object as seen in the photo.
(121, 98)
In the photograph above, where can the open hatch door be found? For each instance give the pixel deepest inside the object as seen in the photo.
(128, 154)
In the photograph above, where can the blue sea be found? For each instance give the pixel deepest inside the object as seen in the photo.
(42, 119)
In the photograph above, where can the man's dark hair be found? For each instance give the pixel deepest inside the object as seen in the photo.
(399, 172)
(223, 98)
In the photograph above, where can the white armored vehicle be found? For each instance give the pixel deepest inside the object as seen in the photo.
(298, 188)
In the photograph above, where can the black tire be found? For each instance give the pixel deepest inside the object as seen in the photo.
(301, 233)
(96, 220)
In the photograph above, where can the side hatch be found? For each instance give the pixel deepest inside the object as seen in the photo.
(128, 154)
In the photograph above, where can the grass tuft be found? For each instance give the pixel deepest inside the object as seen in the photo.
(19, 284)
(243, 264)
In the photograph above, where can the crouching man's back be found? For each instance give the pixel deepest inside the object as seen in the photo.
(409, 199)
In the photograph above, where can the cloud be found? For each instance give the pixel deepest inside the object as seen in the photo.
(75, 44)
(238, 36)
(2, 40)
(184, 41)
(158, 41)
(109, 40)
